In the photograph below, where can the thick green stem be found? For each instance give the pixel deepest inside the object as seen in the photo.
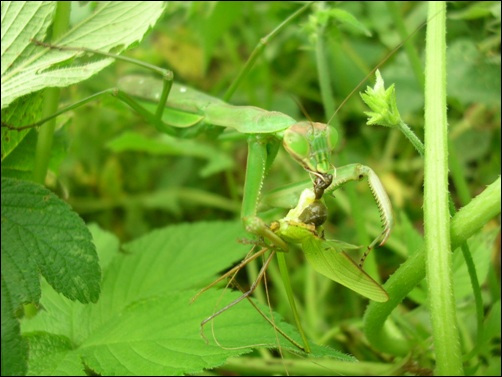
(466, 222)
(436, 214)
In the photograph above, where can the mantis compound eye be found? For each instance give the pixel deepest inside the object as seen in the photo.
(315, 214)
(298, 145)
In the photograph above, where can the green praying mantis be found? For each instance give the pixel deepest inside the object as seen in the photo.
(181, 111)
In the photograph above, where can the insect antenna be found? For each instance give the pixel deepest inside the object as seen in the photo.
(304, 111)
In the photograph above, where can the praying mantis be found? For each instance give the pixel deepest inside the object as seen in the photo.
(181, 112)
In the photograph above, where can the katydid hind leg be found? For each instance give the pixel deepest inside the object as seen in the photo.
(239, 299)
(230, 272)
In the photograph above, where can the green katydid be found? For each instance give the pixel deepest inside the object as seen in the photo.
(303, 225)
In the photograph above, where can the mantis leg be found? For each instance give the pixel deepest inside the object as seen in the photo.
(255, 173)
(356, 172)
(167, 75)
(155, 119)
(120, 95)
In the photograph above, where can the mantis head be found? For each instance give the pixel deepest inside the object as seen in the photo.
(311, 144)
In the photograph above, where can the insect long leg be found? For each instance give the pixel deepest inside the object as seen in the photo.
(245, 295)
(230, 272)
(269, 320)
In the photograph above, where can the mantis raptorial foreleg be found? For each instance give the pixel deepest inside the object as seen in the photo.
(255, 173)
(356, 172)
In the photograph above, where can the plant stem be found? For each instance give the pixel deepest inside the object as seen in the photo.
(466, 222)
(410, 135)
(258, 51)
(412, 53)
(436, 214)
(306, 367)
(51, 101)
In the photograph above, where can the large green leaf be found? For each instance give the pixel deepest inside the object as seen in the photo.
(40, 234)
(144, 323)
(27, 68)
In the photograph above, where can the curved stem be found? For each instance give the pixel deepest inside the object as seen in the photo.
(466, 222)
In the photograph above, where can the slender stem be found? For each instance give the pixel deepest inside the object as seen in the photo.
(51, 101)
(287, 284)
(458, 175)
(307, 367)
(412, 53)
(410, 135)
(258, 51)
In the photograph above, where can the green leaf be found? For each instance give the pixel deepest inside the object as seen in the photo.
(144, 323)
(14, 348)
(481, 247)
(347, 19)
(53, 355)
(27, 68)
(40, 233)
(472, 77)
(24, 110)
(21, 162)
